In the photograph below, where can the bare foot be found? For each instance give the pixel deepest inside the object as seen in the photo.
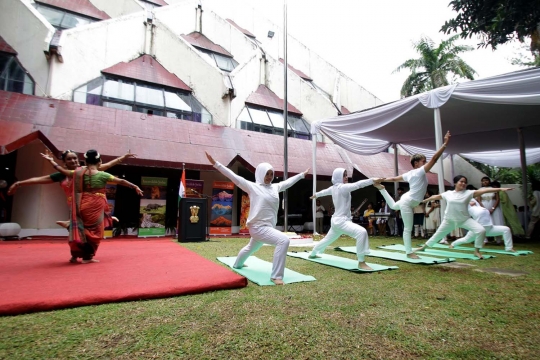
(451, 246)
(90, 261)
(362, 265)
(413, 256)
(378, 186)
(477, 254)
(511, 250)
(314, 256)
(73, 260)
(278, 281)
(64, 224)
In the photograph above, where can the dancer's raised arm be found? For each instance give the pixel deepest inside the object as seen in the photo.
(438, 154)
(57, 167)
(117, 161)
(432, 198)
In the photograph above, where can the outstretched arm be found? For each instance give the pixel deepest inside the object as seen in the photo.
(394, 179)
(438, 154)
(117, 161)
(325, 192)
(32, 181)
(284, 185)
(432, 198)
(57, 167)
(126, 183)
(480, 192)
(237, 180)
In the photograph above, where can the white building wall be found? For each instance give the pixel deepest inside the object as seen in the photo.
(36, 208)
(245, 80)
(221, 32)
(179, 18)
(182, 59)
(88, 49)
(313, 105)
(118, 8)
(27, 31)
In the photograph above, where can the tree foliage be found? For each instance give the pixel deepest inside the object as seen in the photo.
(435, 64)
(508, 175)
(496, 21)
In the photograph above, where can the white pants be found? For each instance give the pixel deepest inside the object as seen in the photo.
(477, 231)
(266, 235)
(491, 230)
(405, 205)
(342, 225)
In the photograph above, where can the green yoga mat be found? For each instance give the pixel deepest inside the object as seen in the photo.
(492, 251)
(454, 254)
(339, 262)
(424, 260)
(258, 271)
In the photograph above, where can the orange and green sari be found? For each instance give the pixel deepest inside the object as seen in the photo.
(88, 212)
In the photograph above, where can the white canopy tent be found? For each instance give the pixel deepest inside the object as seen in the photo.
(487, 115)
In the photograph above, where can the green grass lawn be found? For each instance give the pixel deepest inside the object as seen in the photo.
(417, 311)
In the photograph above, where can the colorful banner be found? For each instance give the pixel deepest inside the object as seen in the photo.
(221, 214)
(244, 214)
(110, 191)
(152, 207)
(194, 188)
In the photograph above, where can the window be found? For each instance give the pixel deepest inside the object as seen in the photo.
(13, 77)
(149, 5)
(271, 122)
(223, 62)
(62, 19)
(148, 99)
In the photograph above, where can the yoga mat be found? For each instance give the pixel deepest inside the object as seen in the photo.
(258, 271)
(454, 254)
(339, 262)
(493, 251)
(424, 260)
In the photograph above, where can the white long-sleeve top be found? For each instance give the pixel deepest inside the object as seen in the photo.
(263, 199)
(341, 196)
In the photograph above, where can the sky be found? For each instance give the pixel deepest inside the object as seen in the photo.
(368, 39)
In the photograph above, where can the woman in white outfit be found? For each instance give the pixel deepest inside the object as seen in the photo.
(457, 215)
(481, 215)
(264, 205)
(418, 184)
(341, 220)
(490, 201)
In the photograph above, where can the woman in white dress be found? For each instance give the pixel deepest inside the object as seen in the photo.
(457, 214)
(491, 202)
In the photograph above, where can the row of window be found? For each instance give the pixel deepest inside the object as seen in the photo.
(130, 95)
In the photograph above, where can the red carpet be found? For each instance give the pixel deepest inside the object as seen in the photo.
(37, 276)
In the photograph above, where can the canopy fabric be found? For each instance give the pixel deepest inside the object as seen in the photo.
(482, 115)
(507, 158)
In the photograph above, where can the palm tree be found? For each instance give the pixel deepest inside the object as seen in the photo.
(430, 71)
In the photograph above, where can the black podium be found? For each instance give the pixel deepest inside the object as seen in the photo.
(192, 222)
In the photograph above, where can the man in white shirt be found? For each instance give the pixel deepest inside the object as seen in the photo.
(418, 184)
(482, 216)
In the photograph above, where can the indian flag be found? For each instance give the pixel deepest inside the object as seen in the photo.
(182, 188)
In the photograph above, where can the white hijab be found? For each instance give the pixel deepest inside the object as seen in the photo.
(260, 172)
(337, 176)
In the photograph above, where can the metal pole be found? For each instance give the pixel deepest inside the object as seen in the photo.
(396, 170)
(438, 144)
(314, 166)
(285, 127)
(523, 174)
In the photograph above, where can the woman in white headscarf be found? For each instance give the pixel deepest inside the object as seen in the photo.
(341, 220)
(264, 205)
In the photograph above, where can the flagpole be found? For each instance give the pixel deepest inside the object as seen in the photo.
(180, 196)
(285, 127)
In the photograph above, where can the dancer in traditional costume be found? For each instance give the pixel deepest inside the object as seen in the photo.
(457, 215)
(264, 205)
(418, 183)
(71, 162)
(89, 203)
(341, 219)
